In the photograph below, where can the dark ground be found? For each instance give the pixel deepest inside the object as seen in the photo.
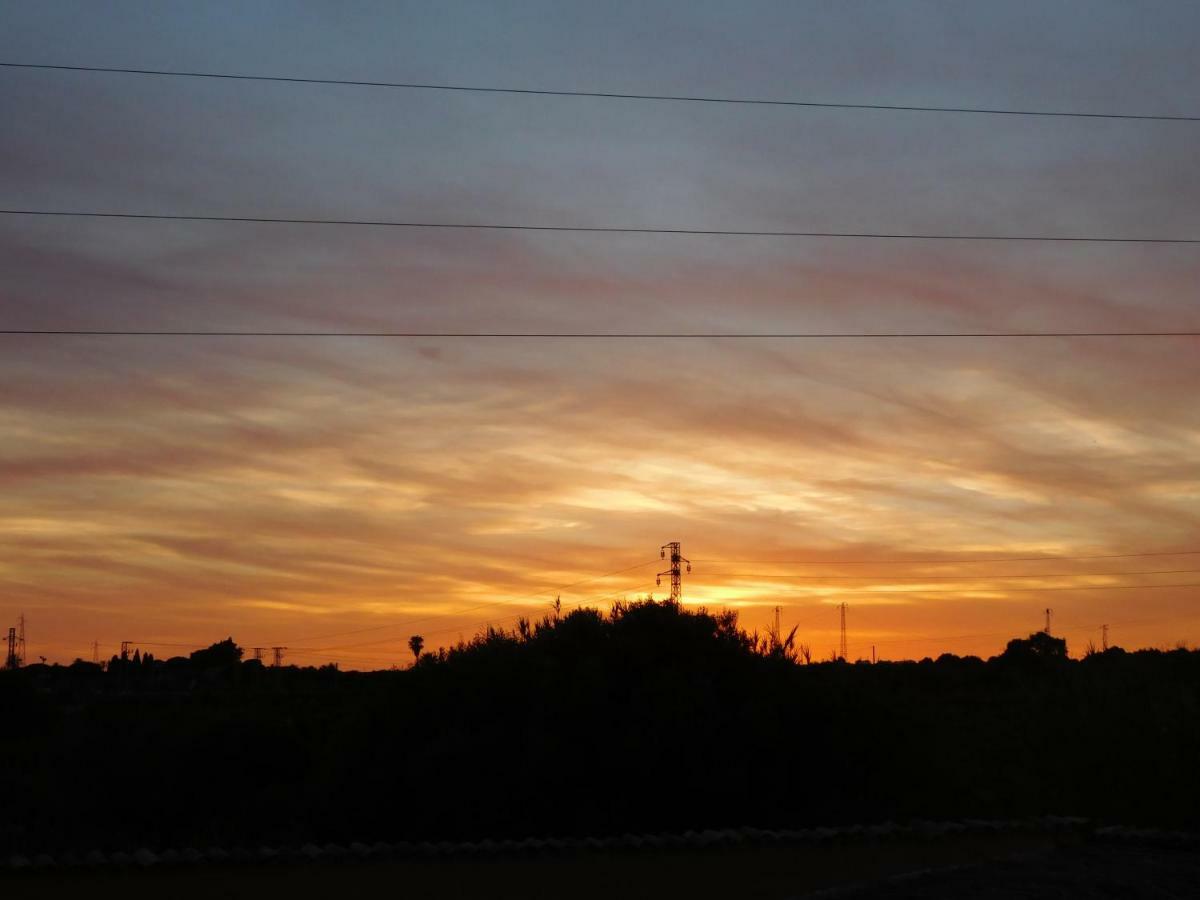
(992, 866)
(1079, 873)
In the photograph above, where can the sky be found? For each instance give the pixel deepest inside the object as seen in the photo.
(335, 495)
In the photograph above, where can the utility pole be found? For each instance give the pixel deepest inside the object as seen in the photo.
(675, 573)
(1049, 612)
(845, 653)
(872, 654)
(1104, 636)
(777, 626)
(125, 649)
(10, 661)
(277, 658)
(21, 639)
(95, 651)
(258, 653)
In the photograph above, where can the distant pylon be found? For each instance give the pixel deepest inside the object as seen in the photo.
(675, 572)
(95, 651)
(844, 652)
(10, 660)
(21, 639)
(1104, 636)
(277, 656)
(1049, 612)
(258, 653)
(778, 609)
(125, 649)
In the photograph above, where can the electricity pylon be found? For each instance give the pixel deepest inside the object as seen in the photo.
(675, 570)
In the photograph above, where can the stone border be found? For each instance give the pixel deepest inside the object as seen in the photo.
(144, 858)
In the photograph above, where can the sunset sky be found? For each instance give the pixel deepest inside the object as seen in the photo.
(336, 495)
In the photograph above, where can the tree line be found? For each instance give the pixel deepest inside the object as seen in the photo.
(648, 717)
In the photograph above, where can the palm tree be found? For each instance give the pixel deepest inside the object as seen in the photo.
(416, 644)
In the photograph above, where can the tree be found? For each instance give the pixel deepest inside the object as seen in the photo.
(416, 644)
(1039, 645)
(221, 655)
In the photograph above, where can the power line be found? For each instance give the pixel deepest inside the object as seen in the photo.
(602, 229)
(912, 639)
(610, 95)
(1070, 630)
(816, 612)
(506, 602)
(357, 658)
(968, 577)
(478, 626)
(604, 335)
(1008, 590)
(944, 561)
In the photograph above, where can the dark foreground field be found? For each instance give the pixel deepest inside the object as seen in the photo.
(1080, 873)
(973, 866)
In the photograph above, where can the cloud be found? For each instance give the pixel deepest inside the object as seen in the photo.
(191, 488)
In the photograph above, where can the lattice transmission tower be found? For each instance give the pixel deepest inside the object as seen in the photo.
(676, 570)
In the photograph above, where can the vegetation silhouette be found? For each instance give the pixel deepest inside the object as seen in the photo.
(223, 655)
(1038, 647)
(647, 718)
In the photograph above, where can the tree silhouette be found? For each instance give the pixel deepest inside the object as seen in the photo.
(1040, 645)
(221, 655)
(416, 644)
